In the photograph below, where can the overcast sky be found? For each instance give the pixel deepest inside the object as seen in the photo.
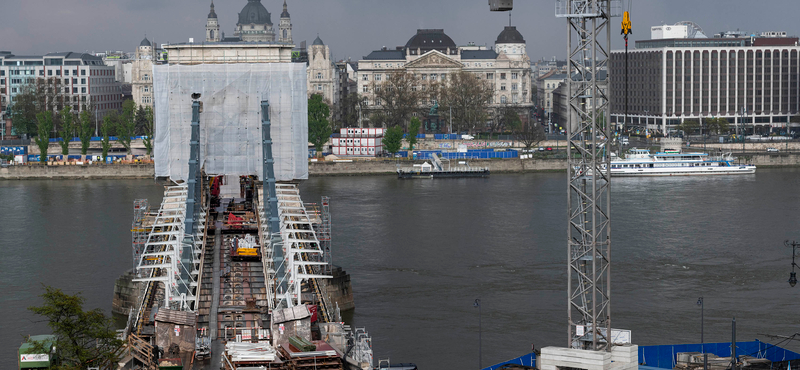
(353, 28)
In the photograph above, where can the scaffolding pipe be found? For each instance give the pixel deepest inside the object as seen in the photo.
(187, 246)
(271, 208)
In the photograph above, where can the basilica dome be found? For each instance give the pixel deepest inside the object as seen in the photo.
(254, 13)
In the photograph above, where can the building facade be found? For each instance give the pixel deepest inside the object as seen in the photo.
(142, 74)
(431, 55)
(545, 86)
(751, 81)
(83, 80)
(323, 75)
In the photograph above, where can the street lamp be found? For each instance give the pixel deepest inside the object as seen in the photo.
(702, 342)
(792, 275)
(477, 304)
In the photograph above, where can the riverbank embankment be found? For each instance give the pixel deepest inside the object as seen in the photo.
(93, 171)
(357, 167)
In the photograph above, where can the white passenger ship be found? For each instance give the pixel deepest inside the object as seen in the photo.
(640, 162)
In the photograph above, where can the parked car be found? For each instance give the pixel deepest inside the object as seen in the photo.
(541, 148)
(549, 149)
(772, 150)
(467, 137)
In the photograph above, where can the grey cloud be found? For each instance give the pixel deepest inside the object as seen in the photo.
(353, 28)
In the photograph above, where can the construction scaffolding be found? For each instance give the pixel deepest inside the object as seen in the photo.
(302, 260)
(160, 260)
(325, 236)
(139, 230)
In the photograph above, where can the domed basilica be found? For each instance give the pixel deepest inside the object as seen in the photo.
(254, 25)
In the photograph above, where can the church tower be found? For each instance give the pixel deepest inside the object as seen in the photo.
(212, 26)
(285, 27)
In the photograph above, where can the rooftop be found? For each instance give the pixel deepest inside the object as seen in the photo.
(478, 54)
(386, 55)
(510, 35)
(428, 39)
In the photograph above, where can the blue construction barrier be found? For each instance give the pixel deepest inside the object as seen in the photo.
(446, 136)
(35, 157)
(526, 360)
(470, 154)
(15, 150)
(665, 356)
(95, 138)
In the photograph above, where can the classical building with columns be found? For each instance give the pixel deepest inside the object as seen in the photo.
(432, 55)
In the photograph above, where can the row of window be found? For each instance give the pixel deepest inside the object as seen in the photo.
(434, 76)
(477, 64)
(388, 65)
(503, 100)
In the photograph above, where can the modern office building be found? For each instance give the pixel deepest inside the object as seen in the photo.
(83, 80)
(751, 80)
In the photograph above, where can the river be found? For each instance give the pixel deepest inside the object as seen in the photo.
(421, 251)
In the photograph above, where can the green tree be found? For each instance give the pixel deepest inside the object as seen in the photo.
(66, 131)
(126, 124)
(319, 128)
(39, 96)
(83, 338)
(109, 124)
(393, 139)
(24, 109)
(413, 130)
(147, 128)
(85, 130)
(717, 125)
(45, 125)
(689, 126)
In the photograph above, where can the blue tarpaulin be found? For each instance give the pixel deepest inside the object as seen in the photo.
(665, 356)
(526, 360)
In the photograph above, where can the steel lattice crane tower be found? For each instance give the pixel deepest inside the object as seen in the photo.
(588, 144)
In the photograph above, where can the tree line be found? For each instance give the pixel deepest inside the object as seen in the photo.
(463, 99)
(42, 111)
(717, 125)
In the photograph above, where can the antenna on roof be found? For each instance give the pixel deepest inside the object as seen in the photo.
(509, 19)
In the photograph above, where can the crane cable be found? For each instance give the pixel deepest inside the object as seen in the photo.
(626, 30)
